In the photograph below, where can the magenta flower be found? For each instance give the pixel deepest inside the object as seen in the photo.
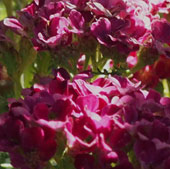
(15, 25)
(105, 30)
(136, 28)
(39, 2)
(53, 34)
(100, 123)
(161, 30)
(31, 138)
(10, 132)
(41, 111)
(77, 21)
(99, 9)
(52, 10)
(62, 108)
(60, 83)
(109, 8)
(79, 3)
(30, 9)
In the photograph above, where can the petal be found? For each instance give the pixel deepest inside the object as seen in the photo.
(89, 102)
(32, 138)
(161, 31)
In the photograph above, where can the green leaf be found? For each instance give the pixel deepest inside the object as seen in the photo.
(27, 54)
(3, 105)
(43, 63)
(166, 87)
(113, 53)
(8, 58)
(2, 11)
(8, 6)
(66, 163)
(27, 77)
(101, 63)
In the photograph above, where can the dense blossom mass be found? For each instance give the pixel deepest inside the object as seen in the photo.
(103, 122)
(69, 120)
(118, 27)
(125, 24)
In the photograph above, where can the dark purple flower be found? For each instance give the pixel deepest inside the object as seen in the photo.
(79, 3)
(52, 10)
(10, 129)
(145, 151)
(166, 163)
(84, 161)
(52, 34)
(62, 72)
(32, 138)
(161, 30)
(61, 109)
(47, 149)
(102, 31)
(106, 30)
(25, 160)
(58, 85)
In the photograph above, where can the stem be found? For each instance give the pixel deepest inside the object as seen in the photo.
(43, 62)
(19, 4)
(86, 62)
(17, 85)
(94, 64)
(8, 6)
(166, 90)
(98, 54)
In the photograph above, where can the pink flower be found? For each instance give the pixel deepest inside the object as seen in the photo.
(15, 25)
(77, 21)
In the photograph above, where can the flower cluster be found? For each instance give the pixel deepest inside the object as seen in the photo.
(124, 24)
(109, 123)
(69, 120)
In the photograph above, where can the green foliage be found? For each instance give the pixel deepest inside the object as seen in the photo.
(65, 163)
(3, 104)
(2, 11)
(146, 56)
(8, 58)
(4, 161)
(43, 64)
